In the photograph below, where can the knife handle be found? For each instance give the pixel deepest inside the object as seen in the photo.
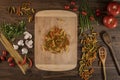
(115, 59)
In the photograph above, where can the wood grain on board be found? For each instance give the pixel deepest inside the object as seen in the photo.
(44, 21)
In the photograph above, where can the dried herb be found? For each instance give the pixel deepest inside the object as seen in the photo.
(56, 41)
(89, 51)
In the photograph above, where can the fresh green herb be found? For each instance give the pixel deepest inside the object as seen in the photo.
(11, 31)
(85, 16)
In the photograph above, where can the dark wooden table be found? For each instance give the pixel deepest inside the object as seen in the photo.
(10, 73)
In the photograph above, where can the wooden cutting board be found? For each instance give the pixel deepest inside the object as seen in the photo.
(44, 21)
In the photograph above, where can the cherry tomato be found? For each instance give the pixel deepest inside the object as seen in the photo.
(67, 7)
(110, 21)
(4, 53)
(113, 8)
(72, 3)
(10, 59)
(11, 64)
(75, 9)
(2, 58)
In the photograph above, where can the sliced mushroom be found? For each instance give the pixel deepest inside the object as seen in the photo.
(24, 50)
(21, 43)
(29, 43)
(27, 35)
(15, 47)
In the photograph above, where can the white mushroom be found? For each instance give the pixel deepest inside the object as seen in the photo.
(24, 50)
(15, 47)
(21, 43)
(27, 35)
(29, 43)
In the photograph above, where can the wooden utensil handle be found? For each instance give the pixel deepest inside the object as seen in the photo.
(104, 71)
(115, 59)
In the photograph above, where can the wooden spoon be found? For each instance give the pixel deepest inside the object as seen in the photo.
(106, 38)
(102, 55)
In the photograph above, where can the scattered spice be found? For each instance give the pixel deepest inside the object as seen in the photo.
(89, 50)
(56, 41)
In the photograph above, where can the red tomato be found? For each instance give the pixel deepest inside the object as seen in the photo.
(113, 8)
(67, 7)
(110, 21)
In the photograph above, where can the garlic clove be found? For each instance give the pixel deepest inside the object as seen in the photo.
(15, 47)
(24, 50)
(21, 43)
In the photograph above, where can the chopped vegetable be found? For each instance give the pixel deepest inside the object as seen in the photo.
(56, 41)
(11, 31)
(89, 51)
(24, 60)
(30, 62)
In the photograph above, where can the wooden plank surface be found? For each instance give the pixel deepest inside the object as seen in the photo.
(8, 73)
(44, 22)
